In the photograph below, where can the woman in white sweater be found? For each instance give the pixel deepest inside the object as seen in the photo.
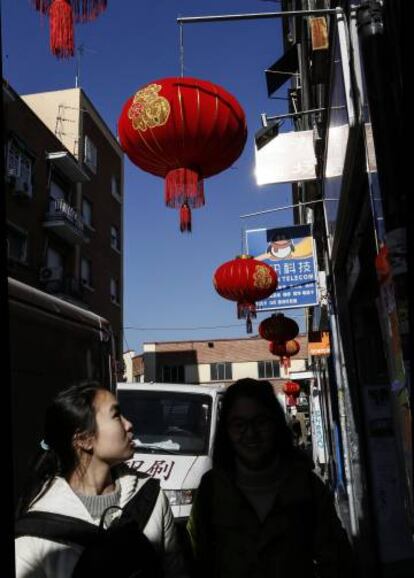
(81, 474)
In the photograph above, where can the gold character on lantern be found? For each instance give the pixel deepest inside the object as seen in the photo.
(148, 108)
(262, 278)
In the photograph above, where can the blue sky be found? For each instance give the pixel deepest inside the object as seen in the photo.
(168, 276)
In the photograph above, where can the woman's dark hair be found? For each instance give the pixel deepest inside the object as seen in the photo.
(263, 393)
(72, 411)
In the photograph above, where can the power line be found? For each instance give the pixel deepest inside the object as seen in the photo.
(182, 328)
(200, 327)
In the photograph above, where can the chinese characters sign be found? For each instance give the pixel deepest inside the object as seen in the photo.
(290, 251)
(160, 469)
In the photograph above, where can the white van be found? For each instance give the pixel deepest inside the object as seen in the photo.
(174, 428)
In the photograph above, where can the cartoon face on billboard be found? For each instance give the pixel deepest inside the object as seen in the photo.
(280, 248)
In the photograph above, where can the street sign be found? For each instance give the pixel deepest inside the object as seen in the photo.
(290, 251)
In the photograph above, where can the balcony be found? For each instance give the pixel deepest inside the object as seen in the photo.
(64, 221)
(66, 287)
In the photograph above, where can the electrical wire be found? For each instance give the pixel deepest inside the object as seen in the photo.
(199, 327)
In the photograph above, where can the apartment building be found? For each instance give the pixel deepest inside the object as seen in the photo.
(64, 189)
(221, 360)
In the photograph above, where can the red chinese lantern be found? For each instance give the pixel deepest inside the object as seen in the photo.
(62, 14)
(278, 328)
(184, 130)
(246, 281)
(285, 349)
(291, 389)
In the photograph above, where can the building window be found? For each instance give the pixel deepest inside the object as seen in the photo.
(91, 155)
(114, 290)
(87, 212)
(116, 188)
(173, 374)
(54, 266)
(268, 369)
(86, 272)
(19, 169)
(115, 238)
(56, 192)
(221, 371)
(16, 244)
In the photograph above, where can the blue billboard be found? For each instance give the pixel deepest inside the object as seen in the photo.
(290, 251)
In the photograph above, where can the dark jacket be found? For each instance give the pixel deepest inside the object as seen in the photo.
(301, 536)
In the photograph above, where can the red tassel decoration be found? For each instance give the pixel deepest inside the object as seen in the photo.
(62, 36)
(185, 218)
(245, 309)
(62, 15)
(184, 186)
(83, 10)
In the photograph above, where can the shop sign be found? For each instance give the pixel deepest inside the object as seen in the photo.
(290, 251)
(288, 158)
(319, 343)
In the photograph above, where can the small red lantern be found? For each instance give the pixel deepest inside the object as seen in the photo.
(62, 14)
(285, 349)
(246, 281)
(278, 328)
(291, 389)
(184, 130)
(382, 264)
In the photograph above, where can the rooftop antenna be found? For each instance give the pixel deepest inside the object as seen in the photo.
(80, 51)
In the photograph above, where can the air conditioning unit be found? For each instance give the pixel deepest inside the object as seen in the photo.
(13, 172)
(11, 176)
(50, 274)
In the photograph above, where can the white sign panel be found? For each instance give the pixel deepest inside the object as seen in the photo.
(289, 157)
(337, 139)
(318, 438)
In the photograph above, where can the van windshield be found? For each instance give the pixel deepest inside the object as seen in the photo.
(168, 422)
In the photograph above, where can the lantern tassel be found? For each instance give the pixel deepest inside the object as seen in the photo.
(249, 325)
(62, 37)
(286, 363)
(245, 310)
(184, 186)
(185, 218)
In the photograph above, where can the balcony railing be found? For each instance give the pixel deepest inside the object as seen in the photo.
(65, 221)
(64, 286)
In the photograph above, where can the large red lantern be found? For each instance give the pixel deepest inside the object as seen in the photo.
(278, 328)
(246, 281)
(184, 130)
(292, 390)
(62, 14)
(285, 350)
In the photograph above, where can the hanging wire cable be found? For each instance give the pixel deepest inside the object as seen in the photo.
(131, 328)
(125, 338)
(201, 327)
(182, 50)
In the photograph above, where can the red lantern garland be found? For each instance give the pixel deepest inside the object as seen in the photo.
(291, 389)
(184, 130)
(62, 14)
(281, 332)
(246, 281)
(278, 328)
(285, 349)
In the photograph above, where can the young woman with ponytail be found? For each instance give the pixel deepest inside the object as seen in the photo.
(80, 473)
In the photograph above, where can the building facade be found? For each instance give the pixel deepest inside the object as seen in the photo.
(344, 74)
(64, 187)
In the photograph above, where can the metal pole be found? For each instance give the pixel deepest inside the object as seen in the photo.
(299, 113)
(284, 208)
(258, 16)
